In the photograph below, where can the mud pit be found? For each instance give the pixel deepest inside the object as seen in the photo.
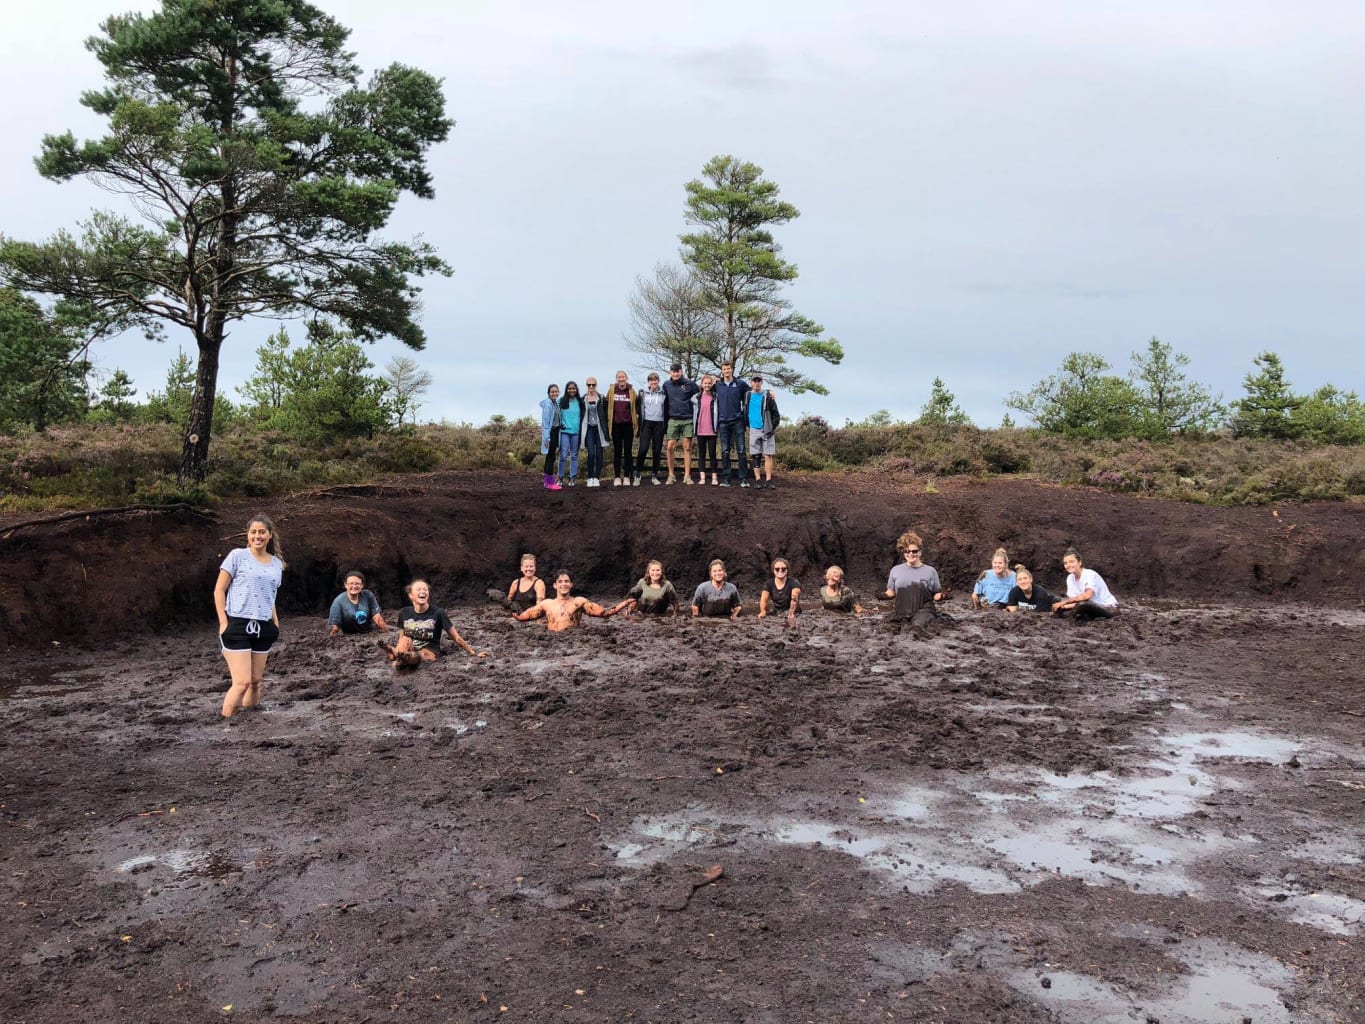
(1157, 818)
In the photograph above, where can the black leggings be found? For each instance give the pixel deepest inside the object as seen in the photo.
(623, 449)
(651, 439)
(552, 459)
(706, 449)
(1087, 610)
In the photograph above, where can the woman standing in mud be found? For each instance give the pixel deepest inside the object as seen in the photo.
(528, 589)
(248, 625)
(914, 585)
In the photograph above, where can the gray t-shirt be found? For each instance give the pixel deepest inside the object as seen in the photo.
(713, 602)
(251, 594)
(904, 575)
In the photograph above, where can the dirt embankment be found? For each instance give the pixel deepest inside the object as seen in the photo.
(91, 578)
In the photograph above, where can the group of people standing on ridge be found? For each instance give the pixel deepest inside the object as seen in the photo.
(249, 579)
(712, 418)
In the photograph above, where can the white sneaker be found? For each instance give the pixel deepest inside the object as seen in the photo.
(596, 482)
(635, 482)
(616, 481)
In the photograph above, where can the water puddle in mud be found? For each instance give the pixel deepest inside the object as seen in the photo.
(1224, 985)
(182, 863)
(55, 679)
(1327, 911)
(1009, 830)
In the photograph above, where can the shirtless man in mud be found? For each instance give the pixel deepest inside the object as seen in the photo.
(564, 612)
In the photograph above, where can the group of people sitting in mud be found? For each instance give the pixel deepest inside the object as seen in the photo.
(249, 578)
(719, 414)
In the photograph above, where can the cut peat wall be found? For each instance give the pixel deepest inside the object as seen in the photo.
(86, 580)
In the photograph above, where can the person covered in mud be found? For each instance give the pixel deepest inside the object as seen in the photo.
(528, 589)
(421, 625)
(653, 594)
(248, 624)
(716, 598)
(355, 609)
(992, 590)
(837, 596)
(1027, 596)
(563, 611)
(914, 585)
(781, 594)
(1087, 595)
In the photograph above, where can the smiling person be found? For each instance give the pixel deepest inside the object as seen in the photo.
(716, 598)
(679, 393)
(421, 626)
(835, 595)
(914, 585)
(652, 417)
(781, 594)
(355, 609)
(1027, 596)
(760, 413)
(528, 589)
(730, 394)
(571, 414)
(623, 422)
(1087, 595)
(654, 594)
(595, 431)
(244, 598)
(549, 434)
(563, 611)
(707, 428)
(992, 590)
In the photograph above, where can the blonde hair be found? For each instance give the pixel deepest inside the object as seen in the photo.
(1001, 553)
(835, 569)
(1022, 570)
(909, 539)
(715, 562)
(528, 557)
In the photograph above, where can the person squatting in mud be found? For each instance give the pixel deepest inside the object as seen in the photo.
(528, 589)
(781, 594)
(355, 610)
(716, 598)
(1087, 595)
(835, 595)
(1027, 596)
(421, 626)
(248, 624)
(653, 594)
(563, 611)
(914, 585)
(993, 586)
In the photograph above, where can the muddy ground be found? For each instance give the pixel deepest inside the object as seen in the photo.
(1157, 818)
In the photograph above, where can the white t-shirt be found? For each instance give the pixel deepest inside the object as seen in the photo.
(1091, 580)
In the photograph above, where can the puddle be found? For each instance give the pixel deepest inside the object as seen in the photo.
(55, 679)
(1247, 745)
(1225, 985)
(1328, 911)
(211, 864)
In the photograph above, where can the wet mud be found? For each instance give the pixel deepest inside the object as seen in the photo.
(1154, 818)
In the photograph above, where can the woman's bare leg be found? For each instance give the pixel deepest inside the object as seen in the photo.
(239, 664)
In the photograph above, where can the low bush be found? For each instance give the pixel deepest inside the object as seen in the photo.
(112, 464)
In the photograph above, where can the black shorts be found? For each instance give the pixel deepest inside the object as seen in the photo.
(255, 635)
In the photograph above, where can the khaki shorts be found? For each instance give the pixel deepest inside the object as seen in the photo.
(761, 443)
(678, 429)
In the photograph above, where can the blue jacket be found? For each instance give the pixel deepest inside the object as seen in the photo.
(730, 399)
(549, 419)
(679, 394)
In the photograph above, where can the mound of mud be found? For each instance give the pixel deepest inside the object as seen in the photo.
(86, 579)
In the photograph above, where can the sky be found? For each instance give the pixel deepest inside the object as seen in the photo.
(984, 187)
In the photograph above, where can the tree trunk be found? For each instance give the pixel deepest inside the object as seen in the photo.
(194, 455)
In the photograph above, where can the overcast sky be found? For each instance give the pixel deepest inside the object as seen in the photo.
(984, 187)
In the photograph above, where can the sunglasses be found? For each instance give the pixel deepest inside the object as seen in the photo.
(912, 551)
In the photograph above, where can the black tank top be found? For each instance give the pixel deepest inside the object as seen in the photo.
(525, 599)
